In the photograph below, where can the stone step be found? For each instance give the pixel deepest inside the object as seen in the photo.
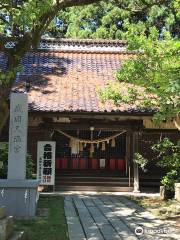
(89, 173)
(94, 188)
(84, 183)
(91, 178)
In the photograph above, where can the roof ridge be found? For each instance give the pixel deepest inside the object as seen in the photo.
(80, 45)
(89, 40)
(83, 45)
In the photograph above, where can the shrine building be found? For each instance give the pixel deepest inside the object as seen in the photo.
(95, 140)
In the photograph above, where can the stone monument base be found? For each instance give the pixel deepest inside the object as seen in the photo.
(19, 197)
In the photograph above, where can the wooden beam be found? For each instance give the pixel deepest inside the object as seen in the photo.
(86, 126)
(96, 115)
(128, 155)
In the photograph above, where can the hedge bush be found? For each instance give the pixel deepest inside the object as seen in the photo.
(4, 160)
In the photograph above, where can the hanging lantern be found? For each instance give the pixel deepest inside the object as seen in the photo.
(113, 143)
(103, 146)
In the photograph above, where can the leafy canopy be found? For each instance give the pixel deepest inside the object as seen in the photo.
(155, 68)
(24, 22)
(107, 19)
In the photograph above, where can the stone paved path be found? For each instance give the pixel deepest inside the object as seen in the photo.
(111, 218)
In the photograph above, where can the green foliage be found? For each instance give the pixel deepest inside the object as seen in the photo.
(140, 160)
(116, 93)
(170, 179)
(24, 22)
(4, 159)
(169, 158)
(155, 69)
(29, 167)
(23, 14)
(108, 18)
(168, 154)
(111, 93)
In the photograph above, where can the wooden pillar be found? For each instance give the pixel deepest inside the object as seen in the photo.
(128, 156)
(135, 166)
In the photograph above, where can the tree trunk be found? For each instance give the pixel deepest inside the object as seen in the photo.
(24, 44)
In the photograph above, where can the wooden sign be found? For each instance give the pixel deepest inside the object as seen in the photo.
(46, 162)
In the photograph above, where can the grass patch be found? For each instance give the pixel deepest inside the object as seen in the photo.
(163, 209)
(150, 203)
(146, 202)
(52, 227)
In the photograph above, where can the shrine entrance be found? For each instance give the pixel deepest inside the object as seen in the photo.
(90, 150)
(92, 160)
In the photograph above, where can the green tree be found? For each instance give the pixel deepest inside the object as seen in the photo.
(153, 74)
(107, 19)
(4, 160)
(169, 159)
(24, 22)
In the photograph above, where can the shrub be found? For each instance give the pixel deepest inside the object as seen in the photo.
(168, 155)
(4, 160)
(140, 160)
(169, 159)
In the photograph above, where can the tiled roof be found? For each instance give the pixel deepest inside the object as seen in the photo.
(68, 81)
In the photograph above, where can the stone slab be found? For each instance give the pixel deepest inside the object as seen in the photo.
(8, 183)
(19, 197)
(111, 218)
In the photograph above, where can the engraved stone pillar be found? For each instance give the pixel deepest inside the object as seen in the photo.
(17, 194)
(18, 136)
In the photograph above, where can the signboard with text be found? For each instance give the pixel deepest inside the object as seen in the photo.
(46, 162)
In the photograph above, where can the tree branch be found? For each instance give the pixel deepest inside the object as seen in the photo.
(30, 39)
(71, 3)
(47, 17)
